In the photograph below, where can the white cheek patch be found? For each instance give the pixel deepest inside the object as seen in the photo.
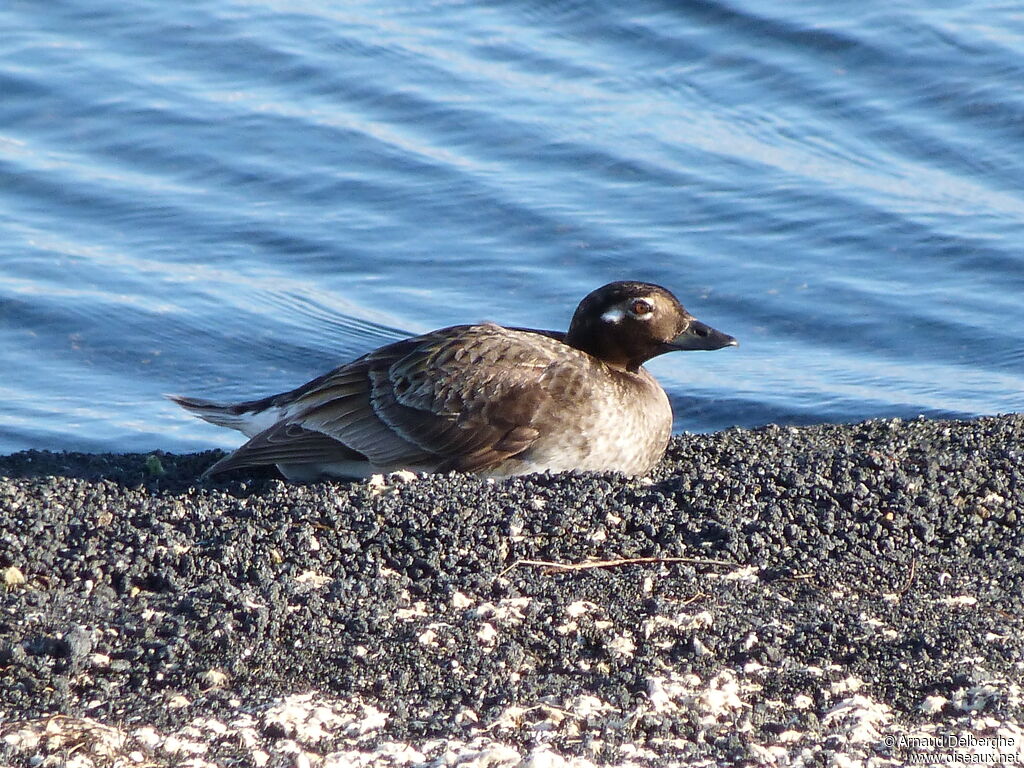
(613, 315)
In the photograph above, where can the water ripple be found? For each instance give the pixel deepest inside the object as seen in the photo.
(228, 200)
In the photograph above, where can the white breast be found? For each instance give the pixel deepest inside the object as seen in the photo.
(624, 428)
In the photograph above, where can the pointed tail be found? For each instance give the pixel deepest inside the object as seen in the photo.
(231, 416)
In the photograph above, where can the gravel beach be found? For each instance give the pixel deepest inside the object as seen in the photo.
(832, 595)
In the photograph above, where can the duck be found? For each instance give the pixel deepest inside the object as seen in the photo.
(484, 399)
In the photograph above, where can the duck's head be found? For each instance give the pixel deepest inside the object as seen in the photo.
(625, 324)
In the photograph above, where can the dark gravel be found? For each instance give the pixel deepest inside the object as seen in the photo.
(881, 560)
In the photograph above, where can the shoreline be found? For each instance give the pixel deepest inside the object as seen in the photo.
(807, 594)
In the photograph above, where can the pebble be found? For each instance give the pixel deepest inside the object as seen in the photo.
(831, 585)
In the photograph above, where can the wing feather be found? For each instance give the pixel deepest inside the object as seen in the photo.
(465, 398)
(286, 443)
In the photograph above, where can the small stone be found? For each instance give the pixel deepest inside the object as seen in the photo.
(214, 678)
(13, 577)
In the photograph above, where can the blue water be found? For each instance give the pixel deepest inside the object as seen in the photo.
(226, 199)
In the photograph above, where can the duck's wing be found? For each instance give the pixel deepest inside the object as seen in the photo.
(286, 443)
(463, 398)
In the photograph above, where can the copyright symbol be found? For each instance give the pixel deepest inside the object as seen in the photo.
(889, 741)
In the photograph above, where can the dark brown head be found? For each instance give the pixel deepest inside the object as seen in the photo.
(626, 324)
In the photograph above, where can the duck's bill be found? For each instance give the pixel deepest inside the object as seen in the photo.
(701, 336)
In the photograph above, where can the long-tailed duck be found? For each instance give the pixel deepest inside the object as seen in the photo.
(482, 398)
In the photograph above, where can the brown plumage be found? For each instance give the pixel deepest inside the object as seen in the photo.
(482, 398)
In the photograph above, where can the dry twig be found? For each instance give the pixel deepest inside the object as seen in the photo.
(910, 578)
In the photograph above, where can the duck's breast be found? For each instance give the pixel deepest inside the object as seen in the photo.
(602, 420)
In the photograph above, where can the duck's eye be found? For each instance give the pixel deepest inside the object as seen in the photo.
(640, 308)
